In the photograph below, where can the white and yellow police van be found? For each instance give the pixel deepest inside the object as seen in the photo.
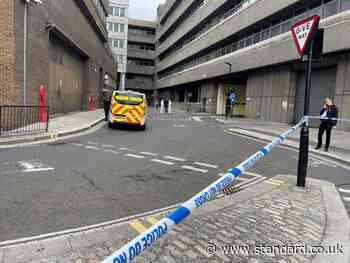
(128, 108)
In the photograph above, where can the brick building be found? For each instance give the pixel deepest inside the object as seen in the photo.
(67, 52)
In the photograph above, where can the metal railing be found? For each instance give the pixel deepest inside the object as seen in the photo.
(23, 120)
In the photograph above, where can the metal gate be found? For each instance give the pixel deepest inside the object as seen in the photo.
(322, 86)
(66, 78)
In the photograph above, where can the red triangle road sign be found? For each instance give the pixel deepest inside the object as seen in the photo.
(303, 31)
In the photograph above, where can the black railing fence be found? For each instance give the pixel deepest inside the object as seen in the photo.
(23, 120)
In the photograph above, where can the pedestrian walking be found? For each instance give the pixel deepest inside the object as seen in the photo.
(170, 110)
(228, 107)
(166, 105)
(162, 106)
(329, 114)
(106, 104)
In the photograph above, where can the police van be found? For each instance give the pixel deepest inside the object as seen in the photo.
(127, 108)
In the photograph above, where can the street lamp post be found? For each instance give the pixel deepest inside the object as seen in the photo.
(26, 3)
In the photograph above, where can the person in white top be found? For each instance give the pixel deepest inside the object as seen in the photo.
(169, 107)
(162, 109)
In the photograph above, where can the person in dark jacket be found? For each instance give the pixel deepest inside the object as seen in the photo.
(106, 104)
(228, 107)
(329, 114)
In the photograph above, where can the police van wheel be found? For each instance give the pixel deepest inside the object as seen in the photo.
(110, 125)
(143, 127)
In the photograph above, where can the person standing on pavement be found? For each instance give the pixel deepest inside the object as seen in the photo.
(162, 106)
(169, 107)
(329, 114)
(166, 105)
(228, 106)
(106, 104)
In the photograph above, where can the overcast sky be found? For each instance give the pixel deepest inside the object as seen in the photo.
(144, 9)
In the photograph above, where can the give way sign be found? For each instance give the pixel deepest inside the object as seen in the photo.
(303, 31)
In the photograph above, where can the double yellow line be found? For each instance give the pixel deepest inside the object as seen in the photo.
(275, 182)
(139, 227)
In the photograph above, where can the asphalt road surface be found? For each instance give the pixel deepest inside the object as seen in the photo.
(114, 173)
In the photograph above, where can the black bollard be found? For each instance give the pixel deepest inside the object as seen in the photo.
(303, 155)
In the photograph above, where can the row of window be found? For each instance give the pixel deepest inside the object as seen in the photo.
(143, 32)
(117, 11)
(117, 43)
(186, 16)
(141, 62)
(120, 59)
(204, 27)
(115, 27)
(141, 46)
(323, 9)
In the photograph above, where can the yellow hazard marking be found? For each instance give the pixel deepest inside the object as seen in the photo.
(136, 224)
(151, 220)
(277, 181)
(273, 183)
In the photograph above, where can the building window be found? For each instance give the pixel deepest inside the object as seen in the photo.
(117, 43)
(117, 11)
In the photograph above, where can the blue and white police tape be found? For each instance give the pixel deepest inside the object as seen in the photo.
(147, 238)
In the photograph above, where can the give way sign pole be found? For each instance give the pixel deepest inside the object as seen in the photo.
(304, 33)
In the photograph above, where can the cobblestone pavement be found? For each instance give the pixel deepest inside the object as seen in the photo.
(284, 216)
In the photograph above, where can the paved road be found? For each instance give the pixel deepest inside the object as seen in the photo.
(115, 173)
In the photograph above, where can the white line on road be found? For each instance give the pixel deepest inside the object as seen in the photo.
(150, 154)
(111, 151)
(194, 169)
(197, 119)
(174, 158)
(126, 149)
(162, 162)
(207, 165)
(38, 170)
(346, 199)
(77, 144)
(107, 145)
(93, 143)
(92, 147)
(342, 190)
(135, 156)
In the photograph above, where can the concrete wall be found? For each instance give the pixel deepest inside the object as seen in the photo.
(241, 20)
(276, 50)
(137, 69)
(271, 94)
(70, 20)
(209, 92)
(342, 92)
(139, 83)
(140, 53)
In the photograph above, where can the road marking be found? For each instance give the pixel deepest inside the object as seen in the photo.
(162, 162)
(38, 170)
(194, 169)
(93, 143)
(92, 147)
(107, 145)
(78, 144)
(111, 151)
(236, 178)
(150, 154)
(273, 183)
(135, 156)
(174, 158)
(207, 165)
(342, 190)
(346, 199)
(276, 181)
(179, 126)
(151, 220)
(136, 224)
(197, 119)
(126, 149)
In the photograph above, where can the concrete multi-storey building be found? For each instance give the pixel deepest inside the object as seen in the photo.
(59, 44)
(141, 57)
(117, 26)
(207, 47)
